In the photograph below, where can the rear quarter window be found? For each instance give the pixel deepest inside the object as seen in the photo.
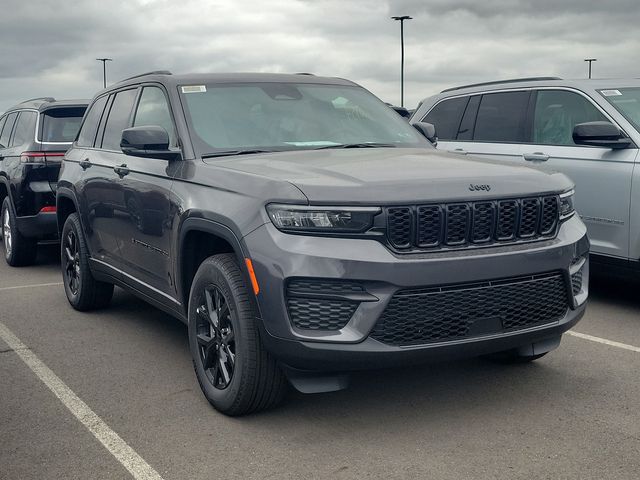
(61, 124)
(445, 116)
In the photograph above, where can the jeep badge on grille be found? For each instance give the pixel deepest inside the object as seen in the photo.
(475, 188)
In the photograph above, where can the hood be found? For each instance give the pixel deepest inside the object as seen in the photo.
(394, 175)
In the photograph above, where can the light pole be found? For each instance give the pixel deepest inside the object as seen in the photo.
(402, 19)
(590, 60)
(104, 70)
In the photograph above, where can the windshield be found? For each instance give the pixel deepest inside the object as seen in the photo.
(61, 124)
(286, 116)
(626, 101)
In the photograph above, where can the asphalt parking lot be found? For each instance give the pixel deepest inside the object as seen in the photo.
(574, 414)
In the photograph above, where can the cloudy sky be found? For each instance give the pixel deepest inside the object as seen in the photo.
(48, 48)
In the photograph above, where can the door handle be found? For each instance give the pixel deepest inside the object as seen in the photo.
(85, 163)
(121, 170)
(535, 157)
(459, 151)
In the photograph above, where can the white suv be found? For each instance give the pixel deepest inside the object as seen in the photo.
(587, 129)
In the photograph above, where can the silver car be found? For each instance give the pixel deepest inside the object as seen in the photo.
(587, 129)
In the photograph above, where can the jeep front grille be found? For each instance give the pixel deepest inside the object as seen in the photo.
(468, 224)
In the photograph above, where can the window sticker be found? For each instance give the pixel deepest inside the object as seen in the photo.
(610, 93)
(194, 89)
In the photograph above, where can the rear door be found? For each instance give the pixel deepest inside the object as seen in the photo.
(490, 126)
(101, 193)
(602, 176)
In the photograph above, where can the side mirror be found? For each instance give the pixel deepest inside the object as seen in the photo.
(428, 130)
(148, 141)
(600, 134)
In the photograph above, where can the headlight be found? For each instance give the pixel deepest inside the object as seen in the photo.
(566, 204)
(322, 219)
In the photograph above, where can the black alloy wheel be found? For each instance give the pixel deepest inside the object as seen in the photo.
(72, 262)
(236, 374)
(216, 338)
(83, 291)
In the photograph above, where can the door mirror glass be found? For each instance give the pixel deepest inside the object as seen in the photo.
(428, 130)
(150, 141)
(600, 134)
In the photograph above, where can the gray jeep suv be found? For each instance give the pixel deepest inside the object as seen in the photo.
(302, 229)
(587, 129)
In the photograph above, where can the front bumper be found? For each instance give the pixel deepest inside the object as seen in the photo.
(278, 257)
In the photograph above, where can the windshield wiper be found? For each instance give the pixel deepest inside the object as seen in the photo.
(356, 145)
(228, 153)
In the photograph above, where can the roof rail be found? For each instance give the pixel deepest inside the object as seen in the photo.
(154, 72)
(498, 82)
(44, 99)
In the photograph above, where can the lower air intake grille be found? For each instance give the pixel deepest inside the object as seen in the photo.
(320, 314)
(420, 316)
(317, 304)
(576, 282)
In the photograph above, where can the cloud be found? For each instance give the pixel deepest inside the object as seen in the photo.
(49, 48)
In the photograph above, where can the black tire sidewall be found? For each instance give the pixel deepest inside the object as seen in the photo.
(214, 273)
(6, 205)
(73, 223)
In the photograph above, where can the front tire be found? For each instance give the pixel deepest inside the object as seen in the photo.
(83, 291)
(235, 372)
(19, 250)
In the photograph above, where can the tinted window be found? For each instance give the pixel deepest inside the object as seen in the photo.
(6, 130)
(25, 129)
(2, 121)
(153, 109)
(61, 124)
(467, 125)
(90, 126)
(446, 117)
(557, 112)
(118, 120)
(502, 117)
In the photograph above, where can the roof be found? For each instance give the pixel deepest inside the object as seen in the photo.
(580, 84)
(210, 78)
(45, 103)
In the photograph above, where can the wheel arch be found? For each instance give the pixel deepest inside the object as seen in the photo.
(65, 205)
(198, 240)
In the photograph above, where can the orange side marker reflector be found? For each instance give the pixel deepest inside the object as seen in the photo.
(252, 276)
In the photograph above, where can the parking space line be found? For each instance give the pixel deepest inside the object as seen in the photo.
(2, 289)
(604, 341)
(134, 463)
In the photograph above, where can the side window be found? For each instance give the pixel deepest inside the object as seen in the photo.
(153, 109)
(118, 120)
(6, 130)
(2, 122)
(557, 112)
(467, 124)
(87, 134)
(446, 117)
(25, 129)
(502, 118)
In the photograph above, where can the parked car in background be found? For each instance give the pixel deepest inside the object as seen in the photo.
(303, 229)
(33, 138)
(587, 129)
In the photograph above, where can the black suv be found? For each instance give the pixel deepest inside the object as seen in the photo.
(302, 229)
(33, 138)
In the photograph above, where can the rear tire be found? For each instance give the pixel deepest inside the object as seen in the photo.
(19, 251)
(235, 372)
(83, 291)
